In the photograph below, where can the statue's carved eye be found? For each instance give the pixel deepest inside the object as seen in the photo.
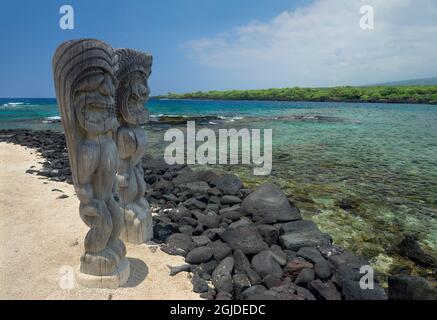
(90, 82)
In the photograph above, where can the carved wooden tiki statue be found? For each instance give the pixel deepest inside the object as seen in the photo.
(133, 70)
(85, 89)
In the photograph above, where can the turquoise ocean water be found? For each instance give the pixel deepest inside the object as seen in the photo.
(367, 173)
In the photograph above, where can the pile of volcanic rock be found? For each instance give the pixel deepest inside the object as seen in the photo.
(52, 147)
(248, 244)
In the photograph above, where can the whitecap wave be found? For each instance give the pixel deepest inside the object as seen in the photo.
(13, 104)
(52, 119)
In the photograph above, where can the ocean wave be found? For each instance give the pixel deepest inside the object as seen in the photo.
(52, 119)
(13, 104)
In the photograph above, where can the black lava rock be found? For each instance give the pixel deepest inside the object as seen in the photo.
(199, 255)
(247, 239)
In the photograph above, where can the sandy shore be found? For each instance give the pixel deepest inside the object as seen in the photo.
(40, 234)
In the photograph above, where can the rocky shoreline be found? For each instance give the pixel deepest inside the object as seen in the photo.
(238, 243)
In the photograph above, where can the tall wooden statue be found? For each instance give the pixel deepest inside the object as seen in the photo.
(133, 70)
(85, 89)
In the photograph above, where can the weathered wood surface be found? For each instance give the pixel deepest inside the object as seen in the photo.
(85, 89)
(133, 70)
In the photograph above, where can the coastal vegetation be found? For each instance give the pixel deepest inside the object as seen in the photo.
(385, 94)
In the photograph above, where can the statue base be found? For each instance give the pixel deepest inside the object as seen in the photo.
(138, 225)
(118, 278)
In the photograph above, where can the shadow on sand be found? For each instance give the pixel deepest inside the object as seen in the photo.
(138, 272)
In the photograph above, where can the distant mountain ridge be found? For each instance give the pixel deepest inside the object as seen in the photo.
(411, 82)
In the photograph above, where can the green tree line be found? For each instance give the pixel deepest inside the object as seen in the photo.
(397, 94)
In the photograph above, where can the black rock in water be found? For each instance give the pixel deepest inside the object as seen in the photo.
(405, 287)
(409, 248)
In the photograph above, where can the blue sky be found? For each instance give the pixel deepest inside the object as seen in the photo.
(225, 44)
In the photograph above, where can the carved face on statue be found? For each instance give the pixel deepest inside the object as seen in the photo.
(136, 93)
(94, 102)
(132, 71)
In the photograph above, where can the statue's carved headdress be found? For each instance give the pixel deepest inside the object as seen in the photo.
(132, 71)
(74, 62)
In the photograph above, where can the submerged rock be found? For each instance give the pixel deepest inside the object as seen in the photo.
(409, 248)
(405, 287)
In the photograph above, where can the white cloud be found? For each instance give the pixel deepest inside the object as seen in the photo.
(323, 45)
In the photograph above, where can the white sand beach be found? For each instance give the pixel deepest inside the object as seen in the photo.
(40, 234)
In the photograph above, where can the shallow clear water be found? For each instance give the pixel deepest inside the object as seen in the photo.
(367, 173)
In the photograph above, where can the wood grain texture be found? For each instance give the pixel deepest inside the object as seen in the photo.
(85, 89)
(132, 71)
